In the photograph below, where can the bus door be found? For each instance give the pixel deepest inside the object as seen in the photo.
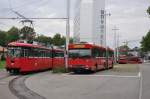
(98, 59)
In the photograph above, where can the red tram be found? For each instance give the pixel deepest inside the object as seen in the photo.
(23, 57)
(58, 58)
(89, 57)
(124, 59)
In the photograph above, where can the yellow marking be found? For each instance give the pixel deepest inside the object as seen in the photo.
(79, 46)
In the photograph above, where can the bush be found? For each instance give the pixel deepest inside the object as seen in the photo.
(2, 64)
(59, 70)
(3, 57)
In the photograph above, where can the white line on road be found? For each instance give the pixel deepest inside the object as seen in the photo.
(3, 83)
(140, 85)
(118, 76)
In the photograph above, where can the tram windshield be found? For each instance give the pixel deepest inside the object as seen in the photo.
(14, 51)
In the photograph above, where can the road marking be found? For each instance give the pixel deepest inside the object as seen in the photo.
(117, 76)
(3, 83)
(139, 74)
(140, 85)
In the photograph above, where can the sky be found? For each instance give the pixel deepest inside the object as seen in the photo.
(129, 16)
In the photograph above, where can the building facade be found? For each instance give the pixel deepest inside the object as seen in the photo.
(89, 22)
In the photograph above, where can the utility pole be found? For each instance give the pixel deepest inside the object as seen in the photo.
(23, 21)
(115, 29)
(105, 33)
(67, 33)
(118, 46)
(105, 15)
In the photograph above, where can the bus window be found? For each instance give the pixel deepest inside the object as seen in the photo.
(96, 52)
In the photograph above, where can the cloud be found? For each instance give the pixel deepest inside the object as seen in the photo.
(129, 16)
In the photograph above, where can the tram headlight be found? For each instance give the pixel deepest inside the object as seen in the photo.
(70, 66)
(86, 67)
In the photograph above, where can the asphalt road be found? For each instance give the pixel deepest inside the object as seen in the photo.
(84, 87)
(111, 84)
(119, 83)
(145, 69)
(5, 93)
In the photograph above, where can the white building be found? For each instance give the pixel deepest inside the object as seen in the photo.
(89, 21)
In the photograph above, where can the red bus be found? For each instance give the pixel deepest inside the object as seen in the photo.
(134, 60)
(89, 57)
(23, 57)
(123, 59)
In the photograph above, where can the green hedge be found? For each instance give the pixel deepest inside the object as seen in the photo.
(59, 70)
(2, 64)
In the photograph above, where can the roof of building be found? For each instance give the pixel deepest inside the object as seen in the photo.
(2, 49)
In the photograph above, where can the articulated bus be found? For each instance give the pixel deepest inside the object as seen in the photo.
(89, 57)
(23, 57)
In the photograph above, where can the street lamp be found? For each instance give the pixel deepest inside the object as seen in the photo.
(103, 31)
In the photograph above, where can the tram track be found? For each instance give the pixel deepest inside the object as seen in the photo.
(4, 77)
(18, 88)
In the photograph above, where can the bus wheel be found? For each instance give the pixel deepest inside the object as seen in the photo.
(11, 71)
(96, 68)
(112, 66)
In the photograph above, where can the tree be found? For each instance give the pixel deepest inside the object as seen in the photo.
(71, 40)
(12, 34)
(58, 40)
(145, 43)
(123, 50)
(27, 33)
(148, 10)
(3, 37)
(44, 39)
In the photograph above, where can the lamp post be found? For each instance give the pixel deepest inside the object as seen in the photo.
(115, 44)
(67, 33)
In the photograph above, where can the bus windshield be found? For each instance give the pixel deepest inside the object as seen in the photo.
(82, 53)
(14, 51)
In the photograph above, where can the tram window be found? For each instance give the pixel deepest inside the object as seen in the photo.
(48, 54)
(40, 54)
(35, 53)
(26, 52)
(59, 54)
(31, 53)
(44, 54)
